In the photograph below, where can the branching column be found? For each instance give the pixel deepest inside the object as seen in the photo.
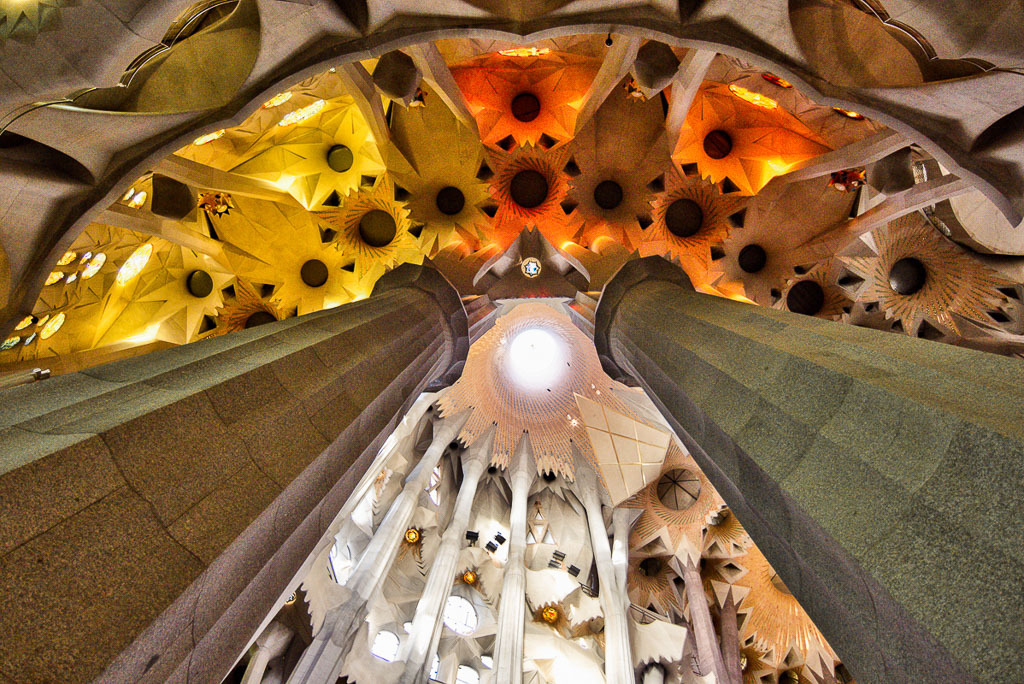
(323, 659)
(708, 653)
(618, 661)
(877, 472)
(426, 624)
(729, 630)
(508, 647)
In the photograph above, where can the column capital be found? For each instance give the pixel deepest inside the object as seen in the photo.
(631, 274)
(429, 280)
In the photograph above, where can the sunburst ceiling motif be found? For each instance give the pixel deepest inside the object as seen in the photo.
(730, 138)
(816, 293)
(619, 158)
(442, 180)
(328, 154)
(373, 229)
(529, 185)
(774, 620)
(546, 405)
(525, 97)
(915, 275)
(690, 217)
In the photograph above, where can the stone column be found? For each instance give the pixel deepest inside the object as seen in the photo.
(269, 645)
(730, 637)
(703, 628)
(216, 465)
(618, 660)
(324, 658)
(840, 448)
(428, 620)
(508, 645)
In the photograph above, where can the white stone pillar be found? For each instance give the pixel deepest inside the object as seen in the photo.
(508, 646)
(322, 660)
(427, 622)
(618, 660)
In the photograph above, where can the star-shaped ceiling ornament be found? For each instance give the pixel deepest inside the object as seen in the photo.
(442, 180)
(689, 218)
(917, 275)
(729, 138)
(248, 307)
(815, 293)
(320, 158)
(373, 230)
(528, 98)
(528, 188)
(617, 165)
(649, 582)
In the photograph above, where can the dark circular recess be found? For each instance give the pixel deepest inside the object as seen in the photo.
(608, 195)
(717, 144)
(314, 273)
(340, 158)
(525, 107)
(650, 567)
(907, 276)
(199, 284)
(684, 218)
(450, 200)
(529, 188)
(377, 228)
(259, 318)
(492, 469)
(549, 476)
(752, 258)
(806, 297)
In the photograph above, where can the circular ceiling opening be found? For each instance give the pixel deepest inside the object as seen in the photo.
(717, 144)
(529, 188)
(531, 267)
(907, 276)
(608, 195)
(525, 107)
(752, 258)
(684, 218)
(536, 359)
(377, 228)
(678, 489)
(314, 273)
(199, 284)
(806, 297)
(340, 158)
(650, 567)
(450, 200)
(259, 318)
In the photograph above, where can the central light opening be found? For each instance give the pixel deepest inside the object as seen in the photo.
(536, 359)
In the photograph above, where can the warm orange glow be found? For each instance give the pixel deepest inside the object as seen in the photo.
(524, 52)
(777, 80)
(848, 114)
(469, 577)
(550, 615)
(277, 100)
(412, 535)
(209, 137)
(25, 322)
(753, 98)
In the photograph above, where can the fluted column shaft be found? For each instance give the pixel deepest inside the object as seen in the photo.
(618, 661)
(508, 647)
(323, 658)
(426, 624)
(783, 412)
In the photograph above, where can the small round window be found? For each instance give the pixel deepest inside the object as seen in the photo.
(385, 646)
(460, 616)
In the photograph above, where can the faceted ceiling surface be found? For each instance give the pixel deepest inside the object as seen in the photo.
(334, 181)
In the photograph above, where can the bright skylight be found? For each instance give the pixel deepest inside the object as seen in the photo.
(385, 645)
(467, 675)
(536, 359)
(460, 616)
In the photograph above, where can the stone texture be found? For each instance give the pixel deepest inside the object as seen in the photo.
(153, 542)
(880, 474)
